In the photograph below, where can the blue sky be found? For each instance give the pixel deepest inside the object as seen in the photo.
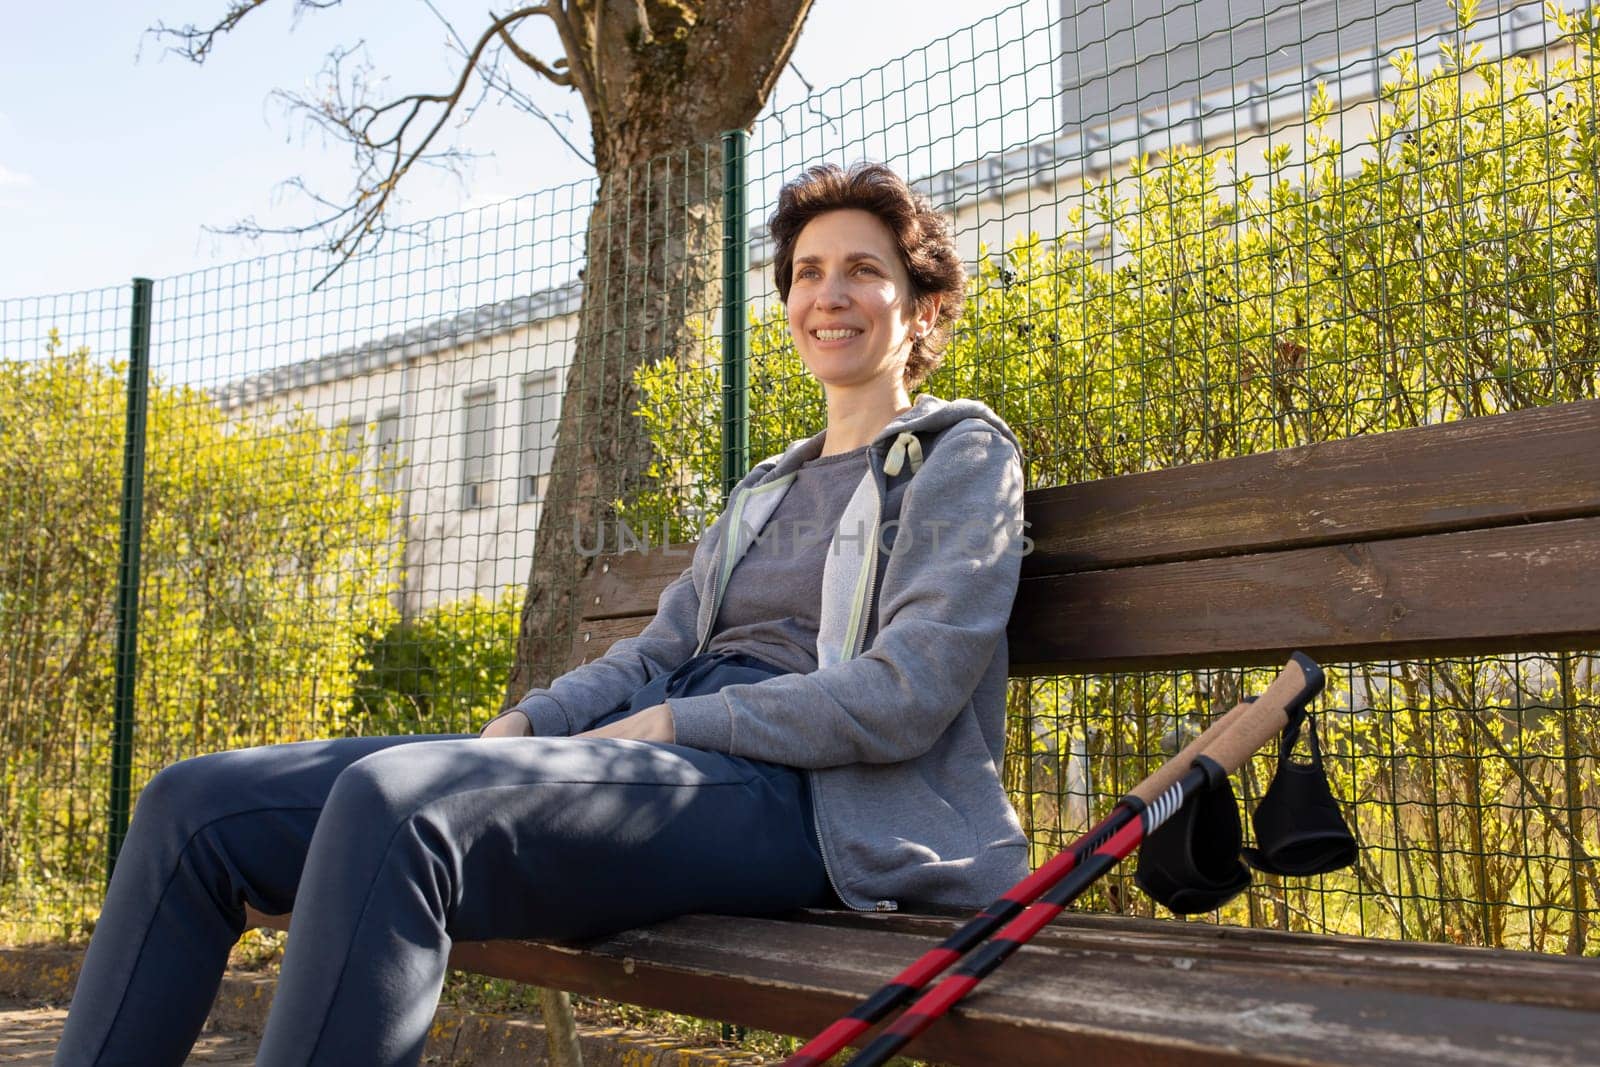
(114, 157)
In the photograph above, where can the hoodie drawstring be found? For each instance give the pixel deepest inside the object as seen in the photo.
(904, 445)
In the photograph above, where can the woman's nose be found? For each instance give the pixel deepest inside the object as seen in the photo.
(832, 294)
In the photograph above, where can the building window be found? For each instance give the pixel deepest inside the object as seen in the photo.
(541, 410)
(389, 458)
(477, 449)
(354, 434)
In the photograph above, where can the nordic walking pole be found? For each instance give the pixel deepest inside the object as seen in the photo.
(1136, 815)
(899, 991)
(1244, 731)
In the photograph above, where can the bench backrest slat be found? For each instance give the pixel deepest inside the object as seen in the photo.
(630, 583)
(1473, 536)
(1518, 588)
(1526, 466)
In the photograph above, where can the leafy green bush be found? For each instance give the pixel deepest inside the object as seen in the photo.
(266, 564)
(442, 672)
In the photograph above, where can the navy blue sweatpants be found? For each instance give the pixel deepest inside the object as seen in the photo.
(388, 849)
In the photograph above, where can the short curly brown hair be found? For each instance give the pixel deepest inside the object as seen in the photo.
(927, 247)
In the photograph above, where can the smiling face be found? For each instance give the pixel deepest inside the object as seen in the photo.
(851, 307)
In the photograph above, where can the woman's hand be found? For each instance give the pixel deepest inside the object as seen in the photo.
(510, 724)
(649, 724)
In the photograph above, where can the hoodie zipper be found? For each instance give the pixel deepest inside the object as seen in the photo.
(716, 591)
(723, 552)
(822, 853)
(872, 559)
(860, 640)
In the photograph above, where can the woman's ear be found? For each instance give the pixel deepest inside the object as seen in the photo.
(925, 316)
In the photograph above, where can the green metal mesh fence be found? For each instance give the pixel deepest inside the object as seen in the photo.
(1191, 243)
(1232, 226)
(61, 435)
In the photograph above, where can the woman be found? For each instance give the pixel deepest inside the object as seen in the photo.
(815, 715)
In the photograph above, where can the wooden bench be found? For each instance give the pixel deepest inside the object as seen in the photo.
(1475, 536)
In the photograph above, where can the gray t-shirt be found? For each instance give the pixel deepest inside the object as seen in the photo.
(773, 603)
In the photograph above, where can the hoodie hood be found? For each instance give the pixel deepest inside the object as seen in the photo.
(851, 571)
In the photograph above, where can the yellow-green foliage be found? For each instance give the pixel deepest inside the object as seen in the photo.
(683, 410)
(442, 672)
(1442, 266)
(265, 566)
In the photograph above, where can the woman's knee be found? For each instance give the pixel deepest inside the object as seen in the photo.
(385, 788)
(185, 792)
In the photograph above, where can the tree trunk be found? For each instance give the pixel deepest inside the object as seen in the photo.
(652, 284)
(662, 79)
(652, 274)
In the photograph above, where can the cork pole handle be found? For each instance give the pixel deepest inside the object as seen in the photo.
(1236, 736)
(1175, 768)
(1300, 680)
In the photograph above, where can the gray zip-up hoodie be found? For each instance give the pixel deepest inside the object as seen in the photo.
(901, 729)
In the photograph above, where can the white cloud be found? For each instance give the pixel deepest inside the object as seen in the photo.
(11, 179)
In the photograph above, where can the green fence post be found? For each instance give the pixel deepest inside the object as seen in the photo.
(735, 317)
(127, 652)
(735, 340)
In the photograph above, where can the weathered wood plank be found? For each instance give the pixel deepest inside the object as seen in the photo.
(593, 637)
(1511, 588)
(1069, 999)
(1504, 589)
(1489, 975)
(630, 583)
(1537, 465)
(1093, 987)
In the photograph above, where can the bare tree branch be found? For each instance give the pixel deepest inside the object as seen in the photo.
(579, 38)
(622, 57)
(489, 71)
(557, 76)
(808, 102)
(493, 79)
(195, 43)
(388, 139)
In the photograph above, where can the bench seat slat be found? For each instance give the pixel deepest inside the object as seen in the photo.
(1071, 998)
(1490, 975)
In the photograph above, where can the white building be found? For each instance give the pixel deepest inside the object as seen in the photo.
(458, 416)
